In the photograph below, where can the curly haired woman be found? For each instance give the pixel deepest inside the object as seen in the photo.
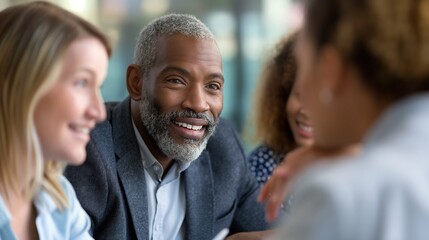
(280, 122)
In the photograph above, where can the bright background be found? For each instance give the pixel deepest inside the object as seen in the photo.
(246, 31)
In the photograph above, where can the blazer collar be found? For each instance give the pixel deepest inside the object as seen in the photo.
(130, 168)
(199, 198)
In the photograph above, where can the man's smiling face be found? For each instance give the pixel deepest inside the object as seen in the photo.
(182, 96)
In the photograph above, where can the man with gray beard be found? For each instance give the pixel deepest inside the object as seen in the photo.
(156, 124)
(156, 168)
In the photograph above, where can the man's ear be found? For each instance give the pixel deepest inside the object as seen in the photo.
(134, 82)
(334, 70)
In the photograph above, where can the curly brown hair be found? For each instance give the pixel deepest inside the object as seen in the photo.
(269, 118)
(386, 40)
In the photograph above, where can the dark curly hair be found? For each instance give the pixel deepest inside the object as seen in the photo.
(269, 118)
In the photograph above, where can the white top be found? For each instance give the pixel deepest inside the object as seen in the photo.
(51, 222)
(165, 196)
(382, 194)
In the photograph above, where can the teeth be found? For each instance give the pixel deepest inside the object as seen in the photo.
(189, 126)
(82, 129)
(305, 127)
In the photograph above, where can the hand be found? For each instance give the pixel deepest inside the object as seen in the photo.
(275, 190)
(251, 235)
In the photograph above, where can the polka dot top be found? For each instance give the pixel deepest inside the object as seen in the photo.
(262, 162)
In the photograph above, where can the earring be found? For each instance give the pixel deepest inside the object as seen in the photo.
(325, 96)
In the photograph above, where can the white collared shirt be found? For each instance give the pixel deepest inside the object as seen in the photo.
(166, 196)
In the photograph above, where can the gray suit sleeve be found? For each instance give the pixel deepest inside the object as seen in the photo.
(316, 213)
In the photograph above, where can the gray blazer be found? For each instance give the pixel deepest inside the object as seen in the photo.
(220, 190)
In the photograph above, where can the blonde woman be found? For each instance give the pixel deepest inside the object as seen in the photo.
(51, 67)
(363, 77)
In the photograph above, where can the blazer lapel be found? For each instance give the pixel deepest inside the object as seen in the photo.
(130, 168)
(199, 198)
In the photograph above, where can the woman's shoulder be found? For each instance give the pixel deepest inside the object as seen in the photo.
(262, 162)
(264, 153)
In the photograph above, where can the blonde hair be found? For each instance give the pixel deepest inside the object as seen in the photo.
(269, 118)
(386, 40)
(33, 39)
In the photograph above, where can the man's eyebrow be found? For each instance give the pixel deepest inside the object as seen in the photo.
(186, 73)
(217, 75)
(176, 69)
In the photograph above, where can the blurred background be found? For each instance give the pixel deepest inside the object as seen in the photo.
(246, 31)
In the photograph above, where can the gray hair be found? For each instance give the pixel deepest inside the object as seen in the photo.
(188, 25)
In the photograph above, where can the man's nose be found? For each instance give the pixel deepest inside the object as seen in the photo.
(196, 99)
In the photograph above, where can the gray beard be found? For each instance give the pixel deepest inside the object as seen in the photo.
(156, 124)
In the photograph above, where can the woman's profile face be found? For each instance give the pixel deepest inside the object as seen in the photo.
(65, 115)
(298, 120)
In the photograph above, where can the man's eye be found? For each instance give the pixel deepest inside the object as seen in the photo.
(175, 80)
(214, 86)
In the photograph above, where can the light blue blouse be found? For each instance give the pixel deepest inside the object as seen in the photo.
(51, 222)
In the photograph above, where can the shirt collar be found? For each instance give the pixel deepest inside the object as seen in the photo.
(4, 213)
(44, 203)
(152, 166)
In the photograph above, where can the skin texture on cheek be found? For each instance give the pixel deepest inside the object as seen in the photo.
(299, 121)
